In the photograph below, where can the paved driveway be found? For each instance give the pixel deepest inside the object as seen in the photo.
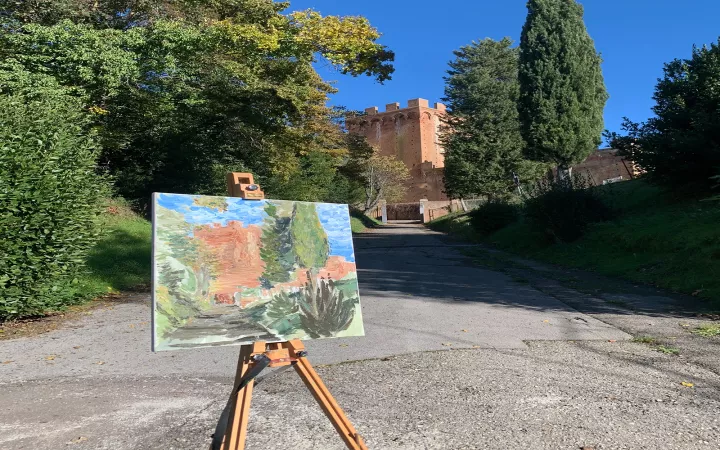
(526, 378)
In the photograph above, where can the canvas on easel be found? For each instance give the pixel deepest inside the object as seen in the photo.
(260, 273)
(233, 271)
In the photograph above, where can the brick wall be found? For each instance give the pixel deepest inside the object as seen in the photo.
(605, 166)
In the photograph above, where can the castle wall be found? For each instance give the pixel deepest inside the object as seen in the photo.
(606, 166)
(410, 134)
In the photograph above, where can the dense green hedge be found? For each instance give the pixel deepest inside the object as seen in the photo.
(564, 208)
(493, 216)
(50, 196)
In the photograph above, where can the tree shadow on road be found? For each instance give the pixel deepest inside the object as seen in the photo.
(409, 260)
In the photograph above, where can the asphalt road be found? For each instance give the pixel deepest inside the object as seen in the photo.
(525, 370)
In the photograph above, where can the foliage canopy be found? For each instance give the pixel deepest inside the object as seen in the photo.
(182, 91)
(680, 146)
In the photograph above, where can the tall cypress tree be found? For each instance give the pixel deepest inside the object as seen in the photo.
(484, 148)
(562, 92)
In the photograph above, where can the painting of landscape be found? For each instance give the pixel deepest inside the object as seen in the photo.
(233, 271)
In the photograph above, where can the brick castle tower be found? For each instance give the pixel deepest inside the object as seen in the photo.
(412, 135)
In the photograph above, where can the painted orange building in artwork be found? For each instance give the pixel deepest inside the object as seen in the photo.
(412, 134)
(236, 248)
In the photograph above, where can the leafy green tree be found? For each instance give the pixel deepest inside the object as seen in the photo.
(680, 146)
(183, 90)
(349, 183)
(385, 178)
(562, 92)
(483, 145)
(309, 238)
(277, 248)
(312, 182)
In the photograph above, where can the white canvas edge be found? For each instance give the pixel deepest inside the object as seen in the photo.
(153, 337)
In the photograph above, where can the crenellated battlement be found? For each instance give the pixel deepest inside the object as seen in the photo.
(414, 103)
(411, 134)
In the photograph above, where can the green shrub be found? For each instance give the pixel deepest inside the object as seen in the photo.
(50, 196)
(493, 216)
(563, 208)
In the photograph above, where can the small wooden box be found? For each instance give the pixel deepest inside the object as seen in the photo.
(243, 185)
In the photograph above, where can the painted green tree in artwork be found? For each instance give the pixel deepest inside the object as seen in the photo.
(283, 311)
(325, 309)
(196, 257)
(188, 283)
(174, 303)
(277, 248)
(309, 238)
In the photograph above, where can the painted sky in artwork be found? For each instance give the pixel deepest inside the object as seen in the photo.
(333, 217)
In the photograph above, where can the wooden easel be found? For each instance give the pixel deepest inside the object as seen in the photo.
(255, 357)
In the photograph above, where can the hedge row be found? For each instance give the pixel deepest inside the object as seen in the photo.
(50, 196)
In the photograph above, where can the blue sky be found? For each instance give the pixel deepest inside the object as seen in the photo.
(334, 218)
(635, 37)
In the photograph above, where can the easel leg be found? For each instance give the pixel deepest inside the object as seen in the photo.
(240, 412)
(326, 401)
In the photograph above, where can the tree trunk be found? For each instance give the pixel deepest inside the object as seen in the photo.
(564, 172)
(372, 202)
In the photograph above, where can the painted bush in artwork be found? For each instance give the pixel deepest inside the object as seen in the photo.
(233, 271)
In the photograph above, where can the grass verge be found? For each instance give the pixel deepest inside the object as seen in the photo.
(359, 222)
(121, 260)
(654, 240)
(456, 224)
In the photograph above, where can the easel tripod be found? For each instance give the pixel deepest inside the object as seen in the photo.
(231, 431)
